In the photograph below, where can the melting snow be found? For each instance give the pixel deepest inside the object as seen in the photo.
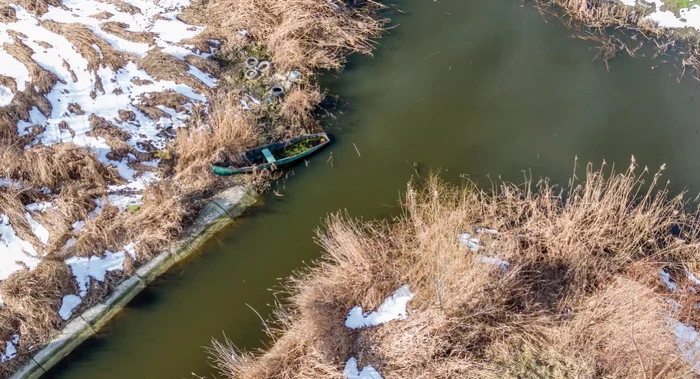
(467, 240)
(10, 349)
(666, 278)
(351, 371)
(692, 278)
(69, 304)
(393, 308)
(504, 265)
(79, 83)
(688, 343)
(39, 230)
(688, 17)
(95, 267)
(15, 253)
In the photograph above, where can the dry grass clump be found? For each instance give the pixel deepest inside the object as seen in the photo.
(34, 298)
(120, 29)
(57, 165)
(12, 203)
(300, 33)
(162, 66)
(36, 7)
(573, 301)
(157, 221)
(299, 105)
(84, 40)
(230, 131)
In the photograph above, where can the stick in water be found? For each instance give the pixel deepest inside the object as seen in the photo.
(358, 151)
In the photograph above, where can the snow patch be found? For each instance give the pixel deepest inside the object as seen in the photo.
(504, 265)
(688, 343)
(688, 17)
(39, 230)
(393, 308)
(69, 304)
(15, 253)
(95, 267)
(6, 96)
(205, 78)
(466, 240)
(351, 371)
(10, 349)
(666, 278)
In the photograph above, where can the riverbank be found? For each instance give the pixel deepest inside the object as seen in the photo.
(670, 25)
(530, 281)
(113, 113)
(220, 212)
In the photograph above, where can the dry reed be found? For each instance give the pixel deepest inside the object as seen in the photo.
(310, 34)
(572, 302)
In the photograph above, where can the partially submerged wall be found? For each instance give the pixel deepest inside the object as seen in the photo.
(216, 215)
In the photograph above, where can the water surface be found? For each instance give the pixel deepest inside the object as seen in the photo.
(481, 87)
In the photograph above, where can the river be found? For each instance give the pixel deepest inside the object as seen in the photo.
(484, 88)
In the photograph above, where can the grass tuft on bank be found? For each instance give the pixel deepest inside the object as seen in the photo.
(580, 295)
(70, 202)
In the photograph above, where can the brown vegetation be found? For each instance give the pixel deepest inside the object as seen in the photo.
(311, 35)
(34, 297)
(581, 296)
(229, 132)
(84, 39)
(299, 105)
(308, 34)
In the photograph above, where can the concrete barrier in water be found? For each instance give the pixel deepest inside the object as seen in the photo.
(216, 215)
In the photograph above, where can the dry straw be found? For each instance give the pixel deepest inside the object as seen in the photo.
(581, 297)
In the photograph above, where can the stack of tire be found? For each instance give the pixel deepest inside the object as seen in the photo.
(256, 68)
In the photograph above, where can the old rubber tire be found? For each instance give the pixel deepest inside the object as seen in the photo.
(251, 62)
(264, 66)
(277, 91)
(252, 74)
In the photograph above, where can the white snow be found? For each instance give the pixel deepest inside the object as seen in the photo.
(6, 96)
(486, 231)
(38, 207)
(666, 278)
(69, 304)
(15, 253)
(205, 78)
(95, 267)
(466, 240)
(39, 230)
(688, 17)
(504, 265)
(10, 349)
(688, 343)
(393, 308)
(692, 278)
(78, 81)
(78, 226)
(351, 371)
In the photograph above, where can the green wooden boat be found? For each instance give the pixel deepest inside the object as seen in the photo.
(273, 155)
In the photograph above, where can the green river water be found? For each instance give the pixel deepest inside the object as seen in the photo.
(477, 87)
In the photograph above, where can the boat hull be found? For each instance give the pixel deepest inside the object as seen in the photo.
(225, 171)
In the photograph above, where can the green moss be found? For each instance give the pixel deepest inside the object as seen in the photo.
(299, 147)
(257, 50)
(532, 365)
(133, 208)
(163, 155)
(680, 4)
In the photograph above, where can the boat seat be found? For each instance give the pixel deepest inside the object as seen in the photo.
(268, 155)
